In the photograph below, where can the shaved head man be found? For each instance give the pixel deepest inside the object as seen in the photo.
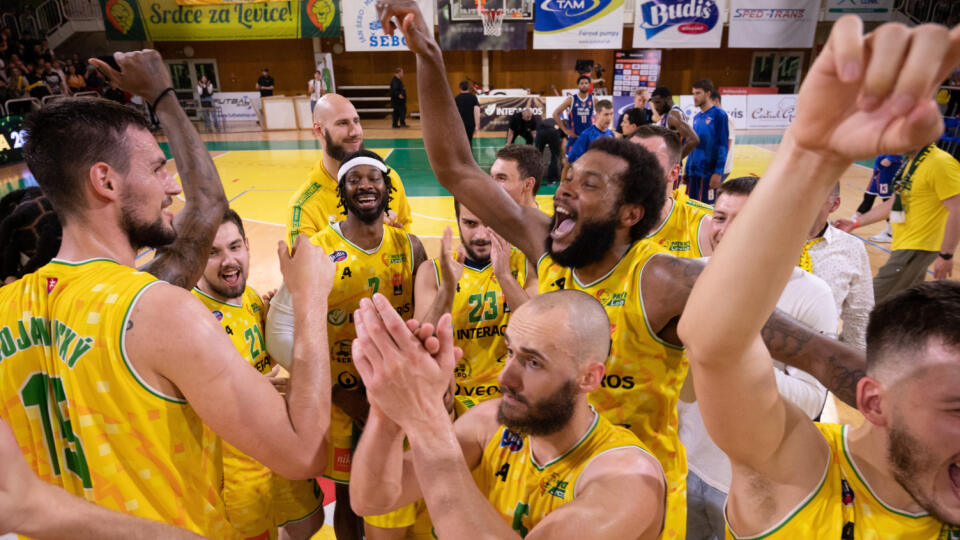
(316, 204)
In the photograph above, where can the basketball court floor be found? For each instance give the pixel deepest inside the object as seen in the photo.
(261, 170)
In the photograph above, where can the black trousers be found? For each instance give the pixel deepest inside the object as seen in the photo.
(550, 138)
(470, 131)
(400, 113)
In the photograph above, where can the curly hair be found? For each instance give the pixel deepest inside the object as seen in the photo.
(642, 184)
(341, 192)
(29, 229)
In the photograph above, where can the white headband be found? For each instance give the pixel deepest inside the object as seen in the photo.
(360, 160)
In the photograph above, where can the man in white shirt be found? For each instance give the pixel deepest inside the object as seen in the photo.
(808, 299)
(317, 88)
(841, 260)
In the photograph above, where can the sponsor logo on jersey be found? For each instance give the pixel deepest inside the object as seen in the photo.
(338, 255)
(255, 308)
(688, 16)
(341, 459)
(609, 298)
(394, 258)
(342, 352)
(479, 390)
(337, 316)
(463, 370)
(677, 245)
(466, 334)
(612, 380)
(554, 486)
(218, 314)
(511, 440)
(51, 284)
(347, 380)
(397, 284)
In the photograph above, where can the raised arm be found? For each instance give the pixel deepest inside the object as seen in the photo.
(431, 299)
(690, 139)
(514, 293)
(235, 400)
(731, 301)
(180, 263)
(446, 142)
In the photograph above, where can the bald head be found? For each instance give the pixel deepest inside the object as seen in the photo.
(580, 322)
(336, 122)
(332, 106)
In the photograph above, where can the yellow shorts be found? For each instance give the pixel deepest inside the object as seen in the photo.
(414, 517)
(343, 437)
(258, 501)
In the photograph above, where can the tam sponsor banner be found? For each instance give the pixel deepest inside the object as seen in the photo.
(468, 35)
(362, 30)
(770, 111)
(773, 23)
(868, 10)
(166, 20)
(578, 24)
(679, 24)
(495, 112)
(238, 106)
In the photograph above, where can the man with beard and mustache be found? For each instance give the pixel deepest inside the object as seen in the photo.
(110, 375)
(705, 165)
(544, 463)
(370, 257)
(480, 288)
(317, 203)
(257, 501)
(897, 475)
(595, 242)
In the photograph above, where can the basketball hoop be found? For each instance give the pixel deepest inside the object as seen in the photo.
(492, 19)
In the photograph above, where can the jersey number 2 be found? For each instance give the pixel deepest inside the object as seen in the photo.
(477, 301)
(254, 339)
(35, 394)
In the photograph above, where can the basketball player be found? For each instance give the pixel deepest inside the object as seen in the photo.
(544, 463)
(316, 204)
(600, 128)
(684, 225)
(257, 500)
(97, 391)
(581, 112)
(480, 291)
(896, 475)
(671, 116)
(593, 244)
(518, 168)
(704, 169)
(370, 257)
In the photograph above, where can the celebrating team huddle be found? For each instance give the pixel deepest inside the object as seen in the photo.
(525, 384)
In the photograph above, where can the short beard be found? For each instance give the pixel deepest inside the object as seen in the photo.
(545, 417)
(334, 150)
(908, 460)
(593, 242)
(140, 235)
(222, 292)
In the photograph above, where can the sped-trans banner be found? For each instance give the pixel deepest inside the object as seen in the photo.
(168, 20)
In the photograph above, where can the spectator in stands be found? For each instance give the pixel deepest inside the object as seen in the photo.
(4, 47)
(114, 93)
(16, 82)
(469, 108)
(265, 83)
(94, 79)
(36, 85)
(45, 52)
(6, 93)
(522, 124)
(54, 81)
(75, 81)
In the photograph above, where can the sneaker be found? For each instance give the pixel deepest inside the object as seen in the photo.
(883, 238)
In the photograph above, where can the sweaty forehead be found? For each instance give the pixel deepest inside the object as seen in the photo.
(538, 330)
(142, 143)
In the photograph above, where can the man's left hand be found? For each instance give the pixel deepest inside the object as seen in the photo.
(942, 269)
(716, 180)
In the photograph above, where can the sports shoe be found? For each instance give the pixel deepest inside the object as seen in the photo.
(884, 238)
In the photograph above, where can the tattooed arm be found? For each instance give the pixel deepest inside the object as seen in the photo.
(668, 282)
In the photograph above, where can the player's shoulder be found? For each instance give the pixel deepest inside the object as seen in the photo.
(480, 421)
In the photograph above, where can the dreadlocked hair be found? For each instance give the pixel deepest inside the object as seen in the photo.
(29, 227)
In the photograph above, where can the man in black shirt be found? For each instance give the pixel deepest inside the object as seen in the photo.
(522, 124)
(398, 99)
(265, 83)
(550, 136)
(469, 108)
(35, 83)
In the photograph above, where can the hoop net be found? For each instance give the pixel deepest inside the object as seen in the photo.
(492, 19)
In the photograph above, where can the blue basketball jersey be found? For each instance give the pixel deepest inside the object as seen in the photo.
(582, 113)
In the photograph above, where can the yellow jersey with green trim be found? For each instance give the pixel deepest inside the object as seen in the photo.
(84, 418)
(680, 195)
(317, 204)
(387, 269)
(480, 316)
(522, 490)
(680, 232)
(843, 507)
(257, 501)
(643, 373)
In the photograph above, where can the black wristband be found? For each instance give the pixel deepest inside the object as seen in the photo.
(168, 90)
(945, 256)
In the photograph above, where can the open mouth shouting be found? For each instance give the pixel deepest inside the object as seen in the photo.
(564, 220)
(231, 276)
(954, 470)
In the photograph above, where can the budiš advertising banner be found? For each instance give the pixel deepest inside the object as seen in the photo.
(678, 24)
(578, 24)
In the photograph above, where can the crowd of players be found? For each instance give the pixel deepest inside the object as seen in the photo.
(533, 382)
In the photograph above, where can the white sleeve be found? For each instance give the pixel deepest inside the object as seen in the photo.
(858, 303)
(280, 328)
(800, 388)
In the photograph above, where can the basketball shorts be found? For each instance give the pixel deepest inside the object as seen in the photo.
(414, 517)
(258, 501)
(344, 435)
(879, 187)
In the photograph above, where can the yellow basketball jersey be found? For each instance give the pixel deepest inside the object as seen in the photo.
(257, 501)
(480, 315)
(680, 232)
(680, 195)
(522, 490)
(388, 269)
(317, 204)
(644, 374)
(84, 418)
(844, 507)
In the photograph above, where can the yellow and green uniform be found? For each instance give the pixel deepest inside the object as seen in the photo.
(387, 269)
(936, 177)
(844, 507)
(680, 195)
(480, 315)
(257, 500)
(316, 204)
(415, 517)
(84, 418)
(644, 373)
(680, 232)
(524, 491)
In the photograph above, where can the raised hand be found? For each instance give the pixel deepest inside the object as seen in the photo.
(415, 29)
(451, 267)
(141, 72)
(499, 255)
(873, 94)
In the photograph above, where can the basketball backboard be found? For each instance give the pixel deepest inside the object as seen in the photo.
(516, 10)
